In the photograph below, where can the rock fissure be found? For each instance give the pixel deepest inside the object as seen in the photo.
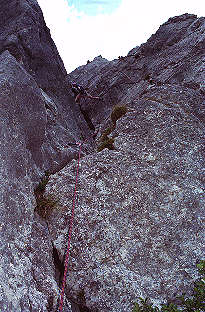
(59, 265)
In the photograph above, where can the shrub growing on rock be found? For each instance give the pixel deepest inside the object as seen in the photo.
(105, 134)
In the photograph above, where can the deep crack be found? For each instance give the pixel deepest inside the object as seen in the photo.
(59, 265)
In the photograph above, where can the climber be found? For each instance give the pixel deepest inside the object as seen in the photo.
(80, 92)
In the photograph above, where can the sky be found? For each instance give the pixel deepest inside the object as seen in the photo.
(84, 29)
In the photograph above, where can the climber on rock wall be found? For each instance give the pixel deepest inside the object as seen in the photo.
(80, 92)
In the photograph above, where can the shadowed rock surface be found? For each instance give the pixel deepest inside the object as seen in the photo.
(138, 221)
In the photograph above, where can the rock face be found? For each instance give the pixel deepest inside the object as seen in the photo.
(138, 222)
(26, 36)
(139, 213)
(138, 228)
(38, 120)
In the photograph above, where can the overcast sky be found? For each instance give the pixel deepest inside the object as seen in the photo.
(84, 29)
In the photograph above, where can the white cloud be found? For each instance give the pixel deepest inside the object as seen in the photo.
(79, 37)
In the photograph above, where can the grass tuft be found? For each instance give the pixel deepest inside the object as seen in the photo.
(108, 143)
(118, 112)
(105, 133)
(42, 185)
(45, 205)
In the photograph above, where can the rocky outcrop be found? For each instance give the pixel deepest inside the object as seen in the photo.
(138, 222)
(25, 35)
(38, 121)
(172, 56)
(140, 216)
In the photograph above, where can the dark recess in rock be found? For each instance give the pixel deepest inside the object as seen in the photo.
(59, 266)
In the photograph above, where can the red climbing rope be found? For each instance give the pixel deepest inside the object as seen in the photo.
(69, 237)
(70, 229)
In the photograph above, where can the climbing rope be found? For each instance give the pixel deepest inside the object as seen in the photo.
(70, 228)
(69, 236)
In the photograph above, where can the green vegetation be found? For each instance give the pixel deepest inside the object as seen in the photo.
(194, 304)
(106, 142)
(147, 77)
(118, 112)
(42, 185)
(45, 204)
(105, 134)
